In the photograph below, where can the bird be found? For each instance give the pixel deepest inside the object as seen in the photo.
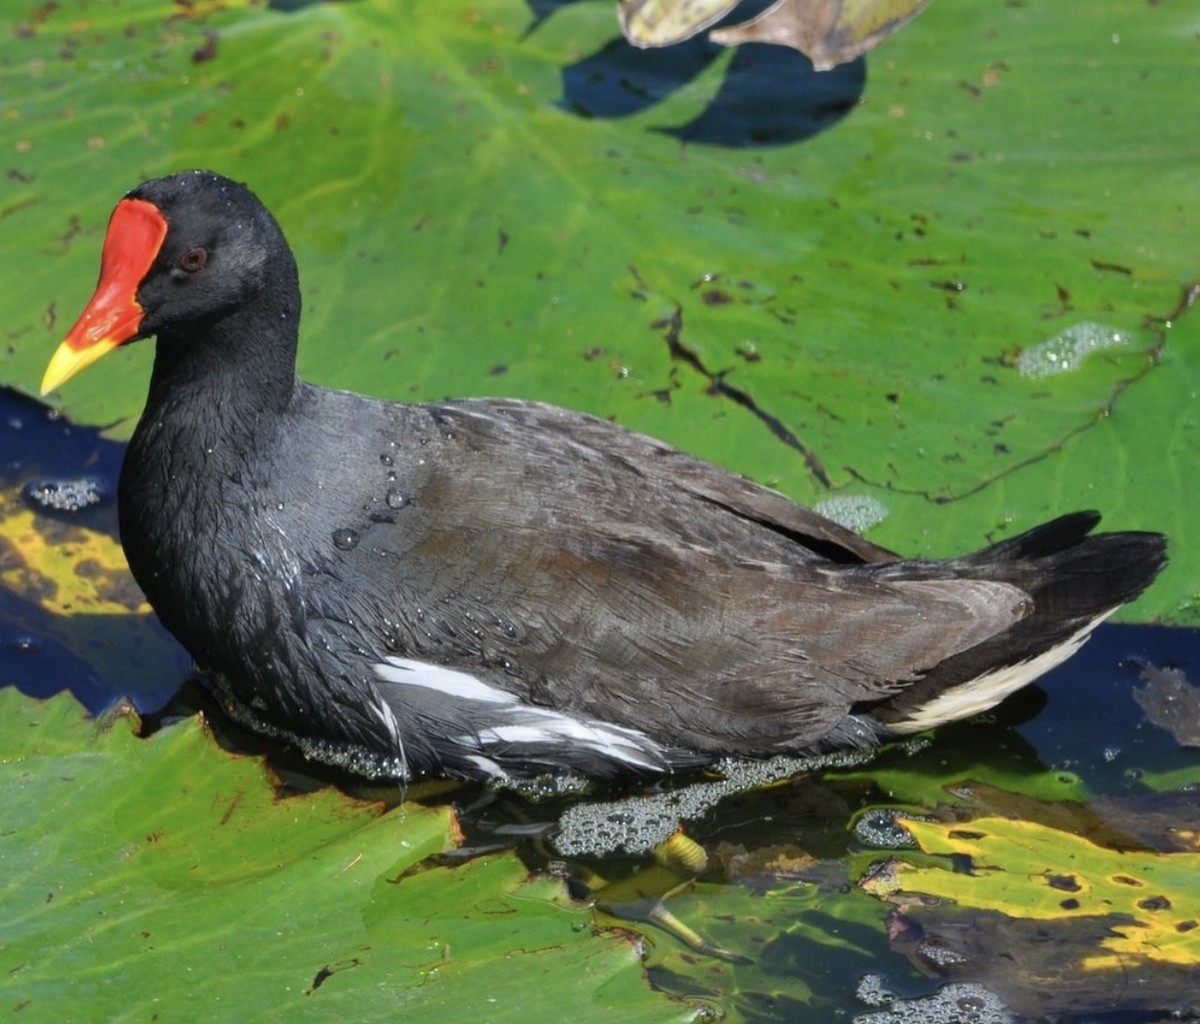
(505, 590)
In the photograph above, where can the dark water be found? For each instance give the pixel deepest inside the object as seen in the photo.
(1081, 723)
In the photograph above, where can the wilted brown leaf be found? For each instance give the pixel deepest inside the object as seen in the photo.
(828, 32)
(650, 23)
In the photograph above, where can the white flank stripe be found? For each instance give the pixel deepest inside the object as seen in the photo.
(444, 680)
(511, 723)
(549, 729)
(989, 689)
(524, 734)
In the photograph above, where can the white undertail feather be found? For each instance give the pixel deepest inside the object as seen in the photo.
(538, 727)
(986, 691)
(512, 724)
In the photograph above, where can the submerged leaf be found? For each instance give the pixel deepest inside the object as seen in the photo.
(72, 607)
(1171, 703)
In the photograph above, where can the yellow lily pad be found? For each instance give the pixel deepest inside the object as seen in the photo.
(1026, 870)
(66, 585)
(63, 567)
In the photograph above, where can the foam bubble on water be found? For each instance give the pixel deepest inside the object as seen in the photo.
(65, 495)
(956, 1003)
(857, 512)
(873, 991)
(1067, 349)
(878, 828)
(637, 824)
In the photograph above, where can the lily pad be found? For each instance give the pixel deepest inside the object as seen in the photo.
(1093, 914)
(867, 293)
(861, 300)
(162, 877)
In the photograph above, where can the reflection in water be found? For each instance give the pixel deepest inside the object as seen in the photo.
(769, 95)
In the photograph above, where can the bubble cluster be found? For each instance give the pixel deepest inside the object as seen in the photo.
(941, 956)
(873, 991)
(548, 786)
(71, 495)
(857, 512)
(1067, 349)
(637, 824)
(878, 829)
(355, 760)
(952, 1004)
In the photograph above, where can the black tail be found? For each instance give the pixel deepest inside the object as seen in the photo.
(1074, 581)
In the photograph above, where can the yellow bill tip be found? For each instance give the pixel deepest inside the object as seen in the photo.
(68, 361)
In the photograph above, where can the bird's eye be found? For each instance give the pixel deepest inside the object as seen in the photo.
(194, 259)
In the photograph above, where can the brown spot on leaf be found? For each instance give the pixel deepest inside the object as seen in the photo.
(206, 52)
(1155, 903)
(233, 806)
(328, 971)
(1115, 268)
(1067, 883)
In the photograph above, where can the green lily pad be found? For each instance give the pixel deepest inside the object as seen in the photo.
(165, 878)
(862, 302)
(868, 293)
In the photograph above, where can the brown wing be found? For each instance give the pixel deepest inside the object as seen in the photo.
(607, 575)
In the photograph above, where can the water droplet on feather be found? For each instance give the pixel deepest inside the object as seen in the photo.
(345, 539)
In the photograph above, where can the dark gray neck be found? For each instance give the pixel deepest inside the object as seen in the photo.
(244, 360)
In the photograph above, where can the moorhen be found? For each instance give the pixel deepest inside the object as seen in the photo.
(500, 588)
